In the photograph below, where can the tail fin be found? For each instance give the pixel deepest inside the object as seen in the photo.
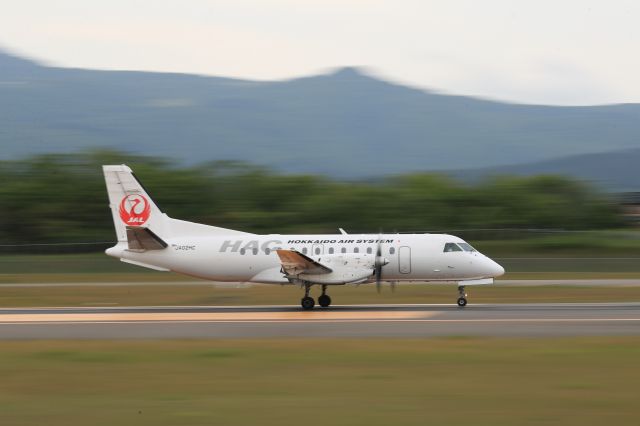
(138, 220)
(131, 205)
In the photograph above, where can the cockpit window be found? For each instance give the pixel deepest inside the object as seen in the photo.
(466, 247)
(449, 247)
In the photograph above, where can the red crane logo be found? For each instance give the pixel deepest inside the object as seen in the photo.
(134, 210)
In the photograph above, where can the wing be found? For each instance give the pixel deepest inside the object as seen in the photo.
(295, 263)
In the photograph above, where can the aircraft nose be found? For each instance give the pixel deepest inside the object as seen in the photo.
(495, 269)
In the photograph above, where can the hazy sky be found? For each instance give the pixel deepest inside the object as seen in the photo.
(556, 51)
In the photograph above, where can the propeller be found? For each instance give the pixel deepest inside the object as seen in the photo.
(379, 263)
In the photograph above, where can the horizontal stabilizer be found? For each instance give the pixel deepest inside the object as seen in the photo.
(144, 265)
(144, 239)
(295, 263)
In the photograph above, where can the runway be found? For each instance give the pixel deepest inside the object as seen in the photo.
(424, 320)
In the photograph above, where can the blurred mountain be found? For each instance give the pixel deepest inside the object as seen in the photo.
(613, 171)
(346, 123)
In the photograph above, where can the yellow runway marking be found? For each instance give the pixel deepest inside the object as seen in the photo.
(215, 316)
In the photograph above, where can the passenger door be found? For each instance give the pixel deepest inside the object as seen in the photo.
(404, 260)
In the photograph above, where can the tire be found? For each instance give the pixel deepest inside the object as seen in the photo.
(307, 303)
(462, 302)
(324, 301)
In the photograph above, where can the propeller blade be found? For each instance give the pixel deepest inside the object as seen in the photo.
(378, 262)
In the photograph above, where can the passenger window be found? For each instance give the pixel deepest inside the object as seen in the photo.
(343, 250)
(369, 250)
(330, 250)
(317, 250)
(255, 251)
(242, 251)
(267, 251)
(356, 250)
(449, 247)
(304, 250)
(392, 250)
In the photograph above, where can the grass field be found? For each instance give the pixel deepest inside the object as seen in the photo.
(443, 381)
(461, 381)
(176, 289)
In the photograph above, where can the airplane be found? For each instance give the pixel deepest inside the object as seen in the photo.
(149, 238)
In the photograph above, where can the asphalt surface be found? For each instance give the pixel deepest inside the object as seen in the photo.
(525, 320)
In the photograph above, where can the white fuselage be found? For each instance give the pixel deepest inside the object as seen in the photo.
(240, 257)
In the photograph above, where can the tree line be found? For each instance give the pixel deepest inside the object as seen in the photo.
(62, 198)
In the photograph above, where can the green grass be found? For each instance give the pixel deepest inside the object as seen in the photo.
(445, 381)
(85, 263)
(97, 267)
(188, 294)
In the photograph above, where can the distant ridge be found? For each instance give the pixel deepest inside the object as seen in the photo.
(11, 65)
(615, 171)
(345, 123)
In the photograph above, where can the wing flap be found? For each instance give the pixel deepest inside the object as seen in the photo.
(296, 263)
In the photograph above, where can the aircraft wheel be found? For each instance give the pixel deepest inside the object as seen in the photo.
(324, 301)
(462, 302)
(307, 303)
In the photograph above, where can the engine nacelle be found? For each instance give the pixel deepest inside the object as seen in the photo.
(346, 268)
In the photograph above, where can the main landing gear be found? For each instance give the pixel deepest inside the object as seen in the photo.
(307, 301)
(324, 300)
(462, 300)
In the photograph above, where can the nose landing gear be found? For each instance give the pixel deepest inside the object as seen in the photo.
(462, 300)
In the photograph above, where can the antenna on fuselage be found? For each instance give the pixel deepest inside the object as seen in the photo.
(342, 231)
